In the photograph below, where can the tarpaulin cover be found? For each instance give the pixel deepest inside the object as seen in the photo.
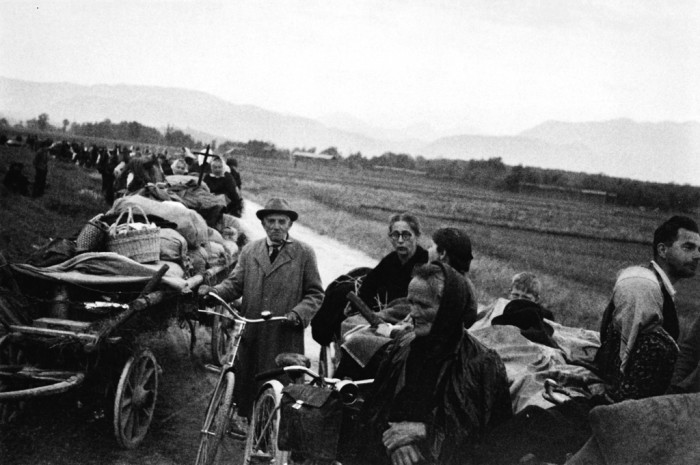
(189, 223)
(94, 268)
(655, 430)
(529, 364)
(360, 340)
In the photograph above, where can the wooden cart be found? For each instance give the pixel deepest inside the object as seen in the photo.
(92, 347)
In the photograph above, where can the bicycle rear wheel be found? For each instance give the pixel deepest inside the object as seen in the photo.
(261, 443)
(216, 423)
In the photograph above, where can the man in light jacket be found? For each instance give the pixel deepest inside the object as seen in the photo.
(276, 274)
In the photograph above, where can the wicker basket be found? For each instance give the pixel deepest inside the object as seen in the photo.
(93, 236)
(141, 245)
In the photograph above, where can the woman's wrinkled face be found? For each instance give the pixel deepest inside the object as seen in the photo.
(424, 306)
(403, 239)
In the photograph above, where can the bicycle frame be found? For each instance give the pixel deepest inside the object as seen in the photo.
(240, 323)
(220, 403)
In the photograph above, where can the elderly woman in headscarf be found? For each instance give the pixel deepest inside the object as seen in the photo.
(438, 390)
(221, 182)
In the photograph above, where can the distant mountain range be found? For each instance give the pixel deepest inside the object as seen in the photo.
(664, 152)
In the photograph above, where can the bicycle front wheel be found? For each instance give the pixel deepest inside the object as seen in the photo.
(216, 423)
(261, 443)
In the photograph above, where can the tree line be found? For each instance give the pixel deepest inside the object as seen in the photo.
(131, 131)
(491, 173)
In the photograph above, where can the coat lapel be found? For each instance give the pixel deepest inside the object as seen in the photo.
(263, 258)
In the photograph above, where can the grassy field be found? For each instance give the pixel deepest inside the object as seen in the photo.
(575, 247)
(71, 198)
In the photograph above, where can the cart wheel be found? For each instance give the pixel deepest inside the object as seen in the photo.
(212, 446)
(221, 330)
(261, 443)
(10, 354)
(135, 399)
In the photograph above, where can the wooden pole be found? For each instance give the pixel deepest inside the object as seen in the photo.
(365, 311)
(201, 168)
(147, 298)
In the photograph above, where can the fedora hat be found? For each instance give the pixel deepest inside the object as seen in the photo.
(277, 206)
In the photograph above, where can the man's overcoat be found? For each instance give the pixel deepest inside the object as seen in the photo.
(291, 283)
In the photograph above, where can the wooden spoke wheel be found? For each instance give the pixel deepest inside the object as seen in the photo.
(221, 333)
(214, 444)
(135, 399)
(10, 354)
(261, 443)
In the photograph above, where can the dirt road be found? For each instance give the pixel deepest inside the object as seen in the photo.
(59, 430)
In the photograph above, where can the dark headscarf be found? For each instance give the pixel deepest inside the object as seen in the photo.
(411, 383)
(446, 379)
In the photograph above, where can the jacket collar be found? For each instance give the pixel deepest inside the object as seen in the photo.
(664, 279)
(263, 258)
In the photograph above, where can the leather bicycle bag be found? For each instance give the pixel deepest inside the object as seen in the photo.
(310, 421)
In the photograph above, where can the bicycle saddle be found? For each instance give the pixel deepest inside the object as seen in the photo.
(286, 359)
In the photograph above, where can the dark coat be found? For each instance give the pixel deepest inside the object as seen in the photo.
(290, 284)
(447, 380)
(389, 279)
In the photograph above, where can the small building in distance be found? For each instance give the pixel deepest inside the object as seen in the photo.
(395, 169)
(313, 158)
(568, 193)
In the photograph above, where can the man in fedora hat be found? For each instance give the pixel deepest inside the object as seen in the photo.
(276, 274)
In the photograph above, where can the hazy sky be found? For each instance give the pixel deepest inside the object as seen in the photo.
(497, 66)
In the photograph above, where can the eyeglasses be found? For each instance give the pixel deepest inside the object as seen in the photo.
(405, 235)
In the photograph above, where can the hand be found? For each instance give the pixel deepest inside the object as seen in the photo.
(384, 329)
(203, 290)
(406, 455)
(403, 433)
(292, 320)
(205, 298)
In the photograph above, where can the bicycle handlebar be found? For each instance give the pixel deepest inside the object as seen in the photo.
(300, 368)
(348, 390)
(237, 316)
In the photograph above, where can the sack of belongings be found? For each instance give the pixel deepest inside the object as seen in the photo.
(173, 247)
(93, 236)
(189, 223)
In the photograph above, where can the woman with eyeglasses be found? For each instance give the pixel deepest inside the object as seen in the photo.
(389, 279)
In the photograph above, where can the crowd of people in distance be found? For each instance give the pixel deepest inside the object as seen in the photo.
(16, 181)
(128, 169)
(440, 396)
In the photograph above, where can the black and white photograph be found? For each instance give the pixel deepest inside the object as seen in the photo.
(349, 232)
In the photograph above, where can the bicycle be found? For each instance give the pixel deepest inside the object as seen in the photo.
(221, 407)
(261, 442)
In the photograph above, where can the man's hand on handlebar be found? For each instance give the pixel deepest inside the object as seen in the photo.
(204, 296)
(292, 319)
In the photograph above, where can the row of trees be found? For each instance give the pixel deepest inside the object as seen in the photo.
(491, 173)
(131, 131)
